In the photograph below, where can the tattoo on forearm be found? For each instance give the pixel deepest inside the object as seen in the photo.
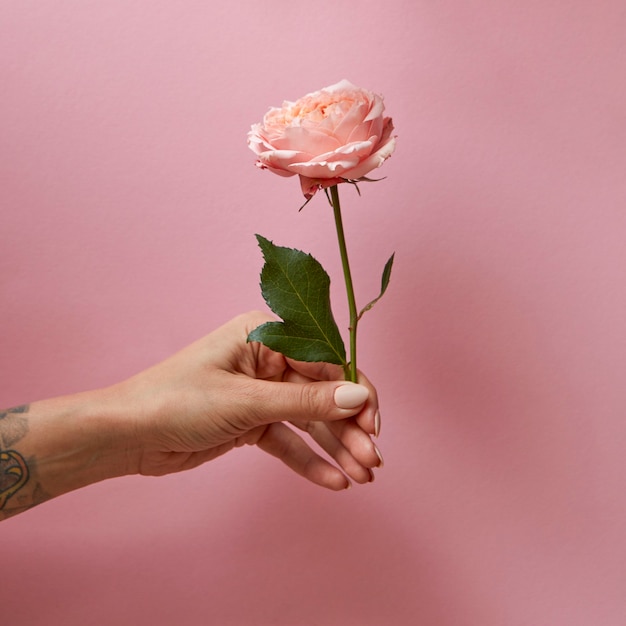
(14, 473)
(23, 408)
(13, 426)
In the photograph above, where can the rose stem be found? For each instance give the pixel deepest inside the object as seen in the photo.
(334, 193)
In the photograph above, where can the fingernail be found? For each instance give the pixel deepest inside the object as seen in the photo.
(351, 395)
(349, 486)
(372, 477)
(380, 457)
(377, 424)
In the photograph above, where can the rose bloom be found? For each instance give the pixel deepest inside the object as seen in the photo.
(331, 136)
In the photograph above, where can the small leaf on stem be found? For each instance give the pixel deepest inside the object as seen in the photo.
(383, 286)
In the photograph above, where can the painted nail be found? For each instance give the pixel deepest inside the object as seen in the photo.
(351, 395)
(380, 457)
(377, 424)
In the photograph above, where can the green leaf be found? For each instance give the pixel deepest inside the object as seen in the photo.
(296, 288)
(383, 286)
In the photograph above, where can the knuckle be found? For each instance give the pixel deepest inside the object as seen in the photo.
(311, 400)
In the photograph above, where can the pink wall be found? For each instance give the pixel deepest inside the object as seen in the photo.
(128, 203)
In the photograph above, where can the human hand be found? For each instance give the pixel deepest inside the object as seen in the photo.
(222, 392)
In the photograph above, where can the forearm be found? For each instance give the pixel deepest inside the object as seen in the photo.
(54, 446)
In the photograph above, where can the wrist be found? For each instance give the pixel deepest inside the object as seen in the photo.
(67, 443)
(94, 434)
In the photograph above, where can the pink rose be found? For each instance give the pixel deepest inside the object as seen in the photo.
(327, 137)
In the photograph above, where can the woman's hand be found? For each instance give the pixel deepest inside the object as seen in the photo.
(222, 392)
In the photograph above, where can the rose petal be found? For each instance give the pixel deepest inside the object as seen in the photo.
(324, 169)
(351, 121)
(312, 142)
(377, 109)
(362, 132)
(373, 161)
(281, 159)
(280, 172)
(255, 140)
(358, 148)
(342, 85)
(310, 186)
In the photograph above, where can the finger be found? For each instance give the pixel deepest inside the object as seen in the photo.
(320, 433)
(291, 376)
(368, 418)
(283, 443)
(358, 443)
(317, 370)
(263, 402)
(344, 435)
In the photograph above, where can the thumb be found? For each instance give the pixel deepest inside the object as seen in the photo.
(320, 401)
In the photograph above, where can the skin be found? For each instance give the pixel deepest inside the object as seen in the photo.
(217, 394)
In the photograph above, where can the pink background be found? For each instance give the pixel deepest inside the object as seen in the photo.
(128, 204)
